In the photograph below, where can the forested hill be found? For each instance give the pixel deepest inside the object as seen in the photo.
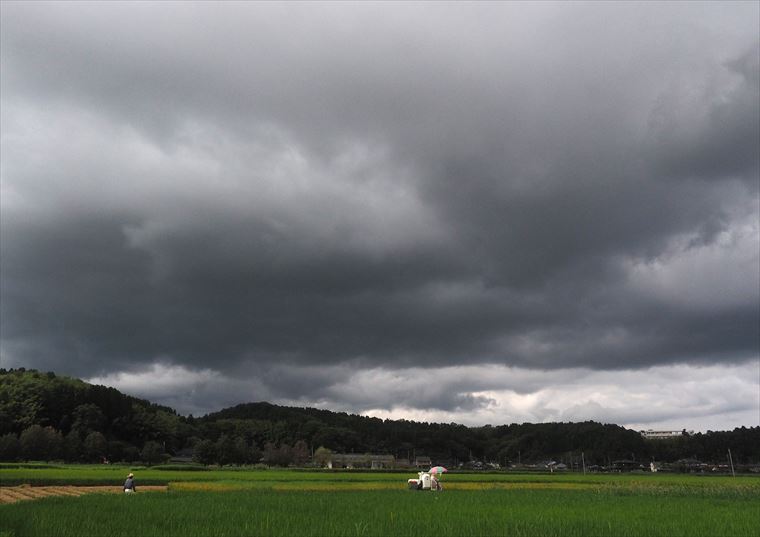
(443, 441)
(74, 409)
(31, 397)
(46, 416)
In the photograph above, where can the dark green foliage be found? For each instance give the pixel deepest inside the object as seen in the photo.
(40, 443)
(116, 450)
(743, 442)
(152, 452)
(72, 447)
(131, 454)
(95, 447)
(88, 418)
(205, 452)
(241, 451)
(28, 397)
(227, 450)
(9, 447)
(254, 454)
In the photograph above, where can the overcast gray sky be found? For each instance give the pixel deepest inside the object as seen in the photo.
(472, 212)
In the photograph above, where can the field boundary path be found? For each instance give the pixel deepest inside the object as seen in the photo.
(27, 492)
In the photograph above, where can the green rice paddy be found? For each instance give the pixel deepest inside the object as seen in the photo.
(291, 503)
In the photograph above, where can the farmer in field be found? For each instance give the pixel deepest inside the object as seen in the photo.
(129, 484)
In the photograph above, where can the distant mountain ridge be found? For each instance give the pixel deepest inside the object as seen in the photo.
(71, 410)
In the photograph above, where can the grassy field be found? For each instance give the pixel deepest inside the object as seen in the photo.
(276, 502)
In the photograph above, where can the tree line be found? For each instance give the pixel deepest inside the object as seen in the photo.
(44, 416)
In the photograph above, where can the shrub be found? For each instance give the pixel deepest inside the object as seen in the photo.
(95, 447)
(9, 447)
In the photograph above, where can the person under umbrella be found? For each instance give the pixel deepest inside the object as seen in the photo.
(434, 472)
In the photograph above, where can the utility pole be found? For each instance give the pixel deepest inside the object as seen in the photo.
(731, 461)
(583, 460)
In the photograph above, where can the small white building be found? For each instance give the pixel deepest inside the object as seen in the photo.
(659, 435)
(363, 460)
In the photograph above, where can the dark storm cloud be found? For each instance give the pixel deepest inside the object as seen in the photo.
(233, 186)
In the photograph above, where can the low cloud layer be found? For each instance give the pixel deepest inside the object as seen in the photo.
(305, 196)
(700, 398)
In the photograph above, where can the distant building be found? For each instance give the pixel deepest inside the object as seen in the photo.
(553, 466)
(660, 435)
(183, 456)
(365, 460)
(423, 462)
(626, 466)
(690, 465)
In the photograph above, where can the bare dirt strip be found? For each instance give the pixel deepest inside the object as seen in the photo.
(25, 492)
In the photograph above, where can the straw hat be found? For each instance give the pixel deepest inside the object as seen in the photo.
(131, 475)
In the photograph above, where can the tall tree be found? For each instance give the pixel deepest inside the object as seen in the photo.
(322, 456)
(72, 447)
(88, 418)
(152, 452)
(95, 446)
(40, 443)
(301, 453)
(227, 450)
(204, 452)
